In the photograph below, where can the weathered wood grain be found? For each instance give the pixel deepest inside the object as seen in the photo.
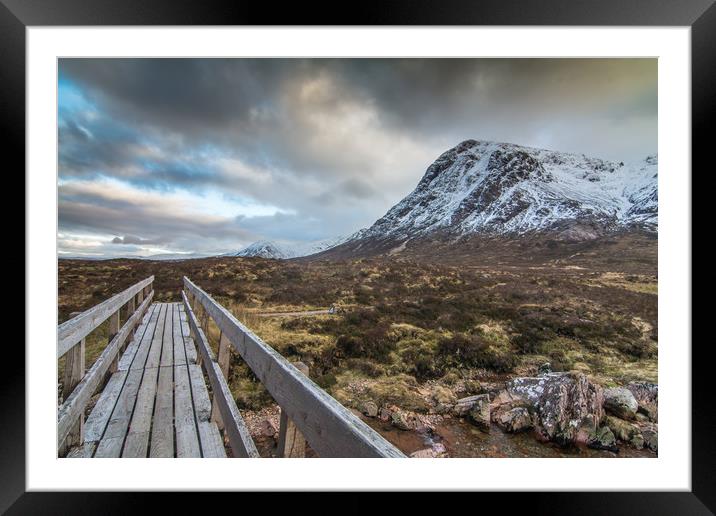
(330, 428)
(155, 349)
(71, 332)
(145, 345)
(162, 444)
(177, 337)
(112, 331)
(212, 445)
(137, 441)
(239, 436)
(223, 359)
(111, 443)
(131, 350)
(291, 442)
(191, 355)
(102, 411)
(186, 431)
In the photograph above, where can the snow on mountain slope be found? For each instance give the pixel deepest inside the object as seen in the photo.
(501, 188)
(283, 250)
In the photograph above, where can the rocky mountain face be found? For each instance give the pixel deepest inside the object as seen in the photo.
(501, 189)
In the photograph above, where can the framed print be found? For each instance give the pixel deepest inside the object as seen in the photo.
(407, 235)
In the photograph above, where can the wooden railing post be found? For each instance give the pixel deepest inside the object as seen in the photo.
(223, 360)
(113, 331)
(74, 371)
(291, 442)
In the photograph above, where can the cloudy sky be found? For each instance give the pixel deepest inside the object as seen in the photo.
(208, 155)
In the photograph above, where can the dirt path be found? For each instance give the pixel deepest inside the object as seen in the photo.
(294, 314)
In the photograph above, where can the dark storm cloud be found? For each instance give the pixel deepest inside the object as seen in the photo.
(336, 141)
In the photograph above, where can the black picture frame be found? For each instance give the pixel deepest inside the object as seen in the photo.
(700, 15)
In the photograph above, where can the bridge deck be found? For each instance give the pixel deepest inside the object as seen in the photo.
(156, 404)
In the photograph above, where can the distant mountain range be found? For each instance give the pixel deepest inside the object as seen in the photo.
(283, 251)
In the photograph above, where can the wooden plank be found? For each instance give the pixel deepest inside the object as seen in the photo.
(155, 350)
(212, 444)
(111, 443)
(167, 358)
(330, 428)
(74, 373)
(162, 444)
(131, 350)
(102, 411)
(190, 349)
(291, 442)
(177, 337)
(75, 405)
(111, 333)
(223, 360)
(140, 357)
(137, 441)
(71, 332)
(82, 452)
(186, 432)
(238, 434)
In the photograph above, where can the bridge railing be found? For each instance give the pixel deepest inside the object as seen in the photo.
(79, 385)
(329, 428)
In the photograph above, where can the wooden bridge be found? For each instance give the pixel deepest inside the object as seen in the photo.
(164, 392)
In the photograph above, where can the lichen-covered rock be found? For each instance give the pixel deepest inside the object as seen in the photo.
(603, 439)
(479, 413)
(647, 396)
(370, 409)
(464, 405)
(620, 402)
(567, 407)
(399, 420)
(650, 434)
(625, 431)
(514, 420)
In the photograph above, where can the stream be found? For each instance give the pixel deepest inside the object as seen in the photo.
(462, 439)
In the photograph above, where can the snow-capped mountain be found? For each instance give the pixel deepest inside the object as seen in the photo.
(493, 188)
(283, 251)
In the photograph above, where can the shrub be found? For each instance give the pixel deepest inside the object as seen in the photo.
(474, 351)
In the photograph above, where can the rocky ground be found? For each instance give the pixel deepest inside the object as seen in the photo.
(565, 409)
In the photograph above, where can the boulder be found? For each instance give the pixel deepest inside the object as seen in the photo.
(647, 396)
(603, 439)
(437, 450)
(650, 434)
(620, 402)
(269, 427)
(427, 453)
(545, 368)
(370, 409)
(514, 420)
(567, 407)
(625, 431)
(399, 420)
(479, 413)
(464, 405)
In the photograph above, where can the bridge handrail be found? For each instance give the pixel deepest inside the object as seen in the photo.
(239, 436)
(78, 387)
(329, 428)
(74, 330)
(73, 407)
